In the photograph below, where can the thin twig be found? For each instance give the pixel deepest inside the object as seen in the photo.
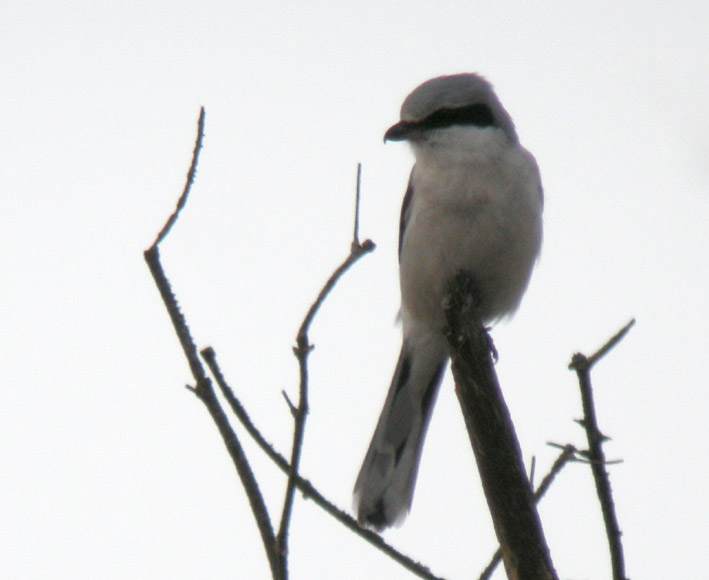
(568, 453)
(582, 365)
(152, 257)
(248, 480)
(210, 358)
(293, 409)
(302, 350)
(357, 252)
(615, 339)
(299, 415)
(306, 488)
(355, 236)
(188, 183)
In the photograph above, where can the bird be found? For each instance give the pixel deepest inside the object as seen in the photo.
(473, 204)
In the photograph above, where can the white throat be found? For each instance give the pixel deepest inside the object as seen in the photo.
(460, 144)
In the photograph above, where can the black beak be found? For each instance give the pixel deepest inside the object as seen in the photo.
(400, 131)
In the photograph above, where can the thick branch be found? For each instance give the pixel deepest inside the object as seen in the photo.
(493, 439)
(567, 454)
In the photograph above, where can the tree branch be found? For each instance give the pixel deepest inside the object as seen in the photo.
(203, 388)
(206, 394)
(302, 350)
(191, 173)
(567, 454)
(582, 365)
(308, 490)
(509, 497)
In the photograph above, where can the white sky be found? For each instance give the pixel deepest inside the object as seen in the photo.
(109, 468)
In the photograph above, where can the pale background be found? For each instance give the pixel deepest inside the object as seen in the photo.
(110, 468)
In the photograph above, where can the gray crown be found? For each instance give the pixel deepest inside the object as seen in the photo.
(452, 92)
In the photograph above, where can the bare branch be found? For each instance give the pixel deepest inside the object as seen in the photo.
(566, 455)
(355, 236)
(206, 394)
(302, 350)
(275, 550)
(203, 388)
(582, 365)
(248, 480)
(306, 488)
(152, 257)
(188, 183)
(291, 407)
(357, 252)
(612, 341)
(489, 426)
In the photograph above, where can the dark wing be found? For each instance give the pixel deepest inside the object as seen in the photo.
(539, 180)
(405, 211)
(541, 195)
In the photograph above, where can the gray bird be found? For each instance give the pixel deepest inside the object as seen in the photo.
(473, 203)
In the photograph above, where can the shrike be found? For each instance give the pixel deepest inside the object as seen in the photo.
(473, 203)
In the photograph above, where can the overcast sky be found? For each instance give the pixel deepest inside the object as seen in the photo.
(110, 468)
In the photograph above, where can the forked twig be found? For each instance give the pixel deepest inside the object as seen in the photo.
(306, 488)
(203, 388)
(302, 350)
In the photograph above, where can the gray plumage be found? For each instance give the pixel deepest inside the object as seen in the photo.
(473, 203)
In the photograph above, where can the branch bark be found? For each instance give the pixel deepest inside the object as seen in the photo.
(568, 453)
(596, 457)
(205, 392)
(308, 490)
(492, 436)
(203, 385)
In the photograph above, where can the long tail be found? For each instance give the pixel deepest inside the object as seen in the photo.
(385, 486)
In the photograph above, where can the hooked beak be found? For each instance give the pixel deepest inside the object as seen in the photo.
(400, 132)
